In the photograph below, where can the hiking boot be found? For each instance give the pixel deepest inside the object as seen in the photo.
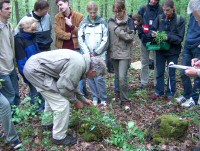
(154, 96)
(181, 99)
(16, 144)
(189, 103)
(67, 141)
(117, 99)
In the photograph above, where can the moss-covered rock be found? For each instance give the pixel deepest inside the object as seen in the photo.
(167, 127)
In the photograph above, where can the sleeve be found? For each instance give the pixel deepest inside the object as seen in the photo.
(104, 43)
(81, 39)
(75, 28)
(20, 54)
(67, 83)
(126, 36)
(177, 38)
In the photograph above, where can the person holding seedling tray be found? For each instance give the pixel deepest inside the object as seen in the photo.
(167, 33)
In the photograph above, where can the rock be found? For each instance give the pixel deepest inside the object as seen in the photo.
(167, 127)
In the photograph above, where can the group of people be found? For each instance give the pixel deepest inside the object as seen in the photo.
(84, 45)
(154, 18)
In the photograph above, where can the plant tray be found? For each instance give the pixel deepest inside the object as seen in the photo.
(153, 47)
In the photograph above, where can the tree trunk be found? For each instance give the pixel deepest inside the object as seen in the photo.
(17, 10)
(53, 11)
(27, 6)
(101, 10)
(79, 5)
(106, 9)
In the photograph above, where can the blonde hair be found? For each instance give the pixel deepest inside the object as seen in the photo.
(92, 6)
(28, 21)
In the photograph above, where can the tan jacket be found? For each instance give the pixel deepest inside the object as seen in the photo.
(57, 70)
(121, 39)
(60, 31)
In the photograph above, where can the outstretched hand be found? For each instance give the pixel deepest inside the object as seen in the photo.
(89, 102)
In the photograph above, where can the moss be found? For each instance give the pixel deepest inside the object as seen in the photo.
(166, 127)
(88, 137)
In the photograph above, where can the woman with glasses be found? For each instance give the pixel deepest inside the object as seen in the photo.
(120, 49)
(174, 27)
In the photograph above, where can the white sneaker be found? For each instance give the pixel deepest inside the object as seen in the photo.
(95, 103)
(181, 99)
(189, 103)
(103, 103)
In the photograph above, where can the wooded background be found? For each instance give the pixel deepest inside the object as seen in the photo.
(23, 7)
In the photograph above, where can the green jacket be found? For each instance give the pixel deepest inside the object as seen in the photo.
(121, 39)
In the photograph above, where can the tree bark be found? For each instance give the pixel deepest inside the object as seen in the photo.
(53, 11)
(17, 10)
(27, 6)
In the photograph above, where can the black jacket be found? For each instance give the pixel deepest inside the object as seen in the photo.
(149, 14)
(175, 33)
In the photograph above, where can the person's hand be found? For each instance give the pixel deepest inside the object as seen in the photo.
(196, 63)
(154, 33)
(193, 61)
(89, 102)
(68, 21)
(79, 105)
(192, 72)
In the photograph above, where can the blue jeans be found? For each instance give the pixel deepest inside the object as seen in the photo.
(34, 95)
(5, 118)
(121, 67)
(188, 55)
(98, 88)
(82, 83)
(10, 88)
(161, 60)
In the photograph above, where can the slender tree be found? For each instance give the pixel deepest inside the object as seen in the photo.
(17, 10)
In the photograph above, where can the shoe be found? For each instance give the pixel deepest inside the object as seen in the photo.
(95, 101)
(1, 135)
(67, 141)
(16, 144)
(189, 103)
(103, 103)
(127, 106)
(181, 99)
(117, 97)
(154, 96)
(170, 98)
(142, 86)
(47, 127)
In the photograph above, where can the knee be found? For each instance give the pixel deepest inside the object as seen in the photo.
(5, 108)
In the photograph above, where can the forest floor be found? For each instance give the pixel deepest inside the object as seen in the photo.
(143, 112)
